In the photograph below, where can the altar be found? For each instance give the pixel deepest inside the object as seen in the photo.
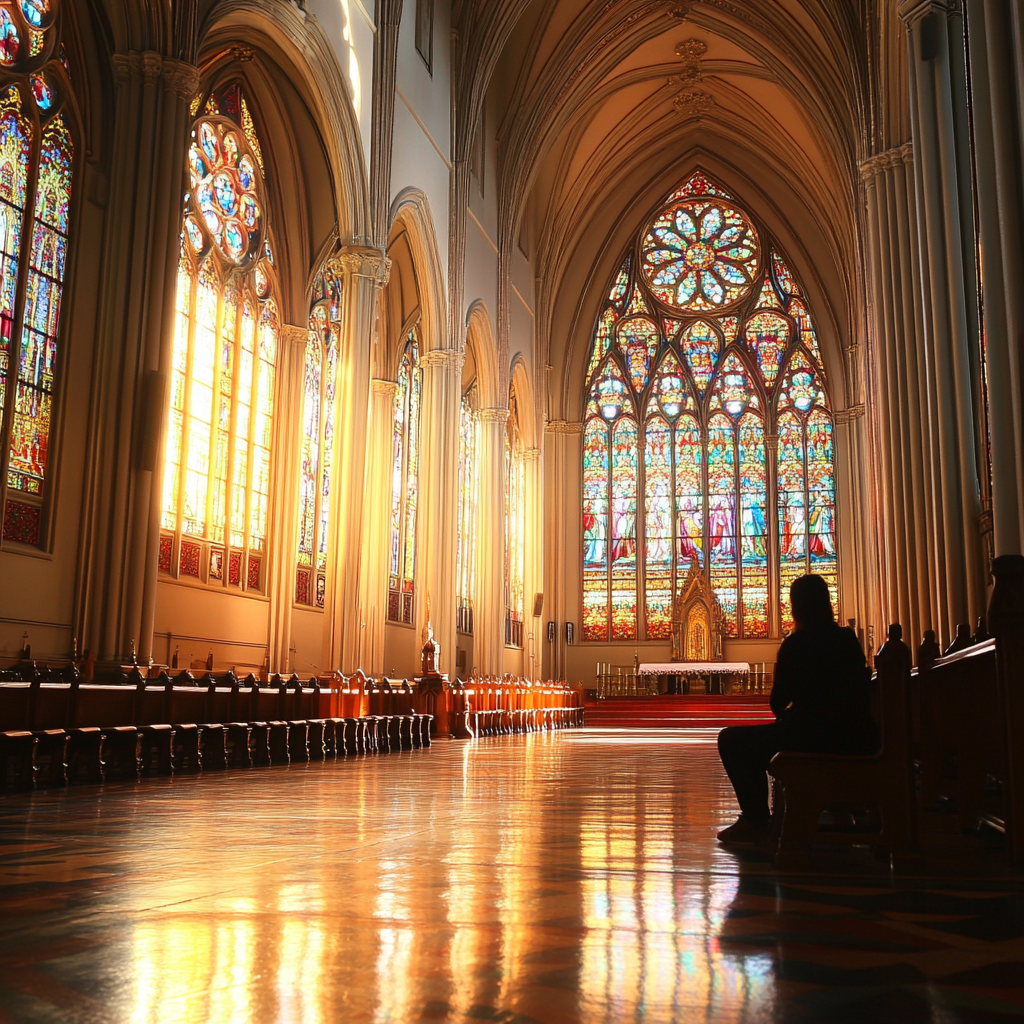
(679, 676)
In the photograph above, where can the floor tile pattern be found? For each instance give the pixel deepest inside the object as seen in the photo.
(544, 878)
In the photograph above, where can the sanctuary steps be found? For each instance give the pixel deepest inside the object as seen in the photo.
(679, 712)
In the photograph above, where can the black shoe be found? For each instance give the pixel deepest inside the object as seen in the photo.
(744, 832)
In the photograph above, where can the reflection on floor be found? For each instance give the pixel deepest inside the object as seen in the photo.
(548, 878)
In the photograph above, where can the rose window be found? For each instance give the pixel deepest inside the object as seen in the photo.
(225, 209)
(700, 254)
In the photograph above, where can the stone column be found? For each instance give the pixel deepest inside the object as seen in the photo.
(376, 547)
(437, 530)
(284, 524)
(363, 271)
(996, 39)
(532, 575)
(489, 610)
(938, 117)
(116, 586)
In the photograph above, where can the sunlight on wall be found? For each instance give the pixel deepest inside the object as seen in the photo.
(353, 61)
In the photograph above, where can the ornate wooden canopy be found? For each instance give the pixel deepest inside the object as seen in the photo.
(697, 620)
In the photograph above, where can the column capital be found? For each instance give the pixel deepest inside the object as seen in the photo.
(362, 261)
(912, 11)
(150, 66)
(531, 454)
(387, 388)
(449, 357)
(493, 415)
(854, 412)
(563, 427)
(294, 335)
(882, 162)
(772, 442)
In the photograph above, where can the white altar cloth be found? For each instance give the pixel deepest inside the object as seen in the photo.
(694, 668)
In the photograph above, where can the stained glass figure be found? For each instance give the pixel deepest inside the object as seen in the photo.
(638, 342)
(405, 483)
(36, 170)
(658, 529)
(216, 486)
(767, 336)
(676, 460)
(466, 542)
(318, 425)
(700, 255)
(701, 345)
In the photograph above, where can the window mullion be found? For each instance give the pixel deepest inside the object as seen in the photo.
(229, 468)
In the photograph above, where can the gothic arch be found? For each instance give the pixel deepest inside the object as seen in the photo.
(481, 346)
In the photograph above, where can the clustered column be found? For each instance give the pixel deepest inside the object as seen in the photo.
(949, 338)
(996, 33)
(291, 373)
(376, 548)
(437, 540)
(116, 598)
(489, 600)
(363, 271)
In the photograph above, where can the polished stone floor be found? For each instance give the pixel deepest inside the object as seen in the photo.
(546, 878)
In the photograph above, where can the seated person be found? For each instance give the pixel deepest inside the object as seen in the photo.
(821, 701)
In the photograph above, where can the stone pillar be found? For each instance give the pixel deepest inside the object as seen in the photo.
(284, 511)
(532, 575)
(116, 588)
(437, 530)
(376, 547)
(563, 476)
(996, 40)
(489, 610)
(938, 117)
(363, 271)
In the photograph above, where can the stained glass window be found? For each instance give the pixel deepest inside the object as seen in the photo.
(466, 556)
(405, 483)
(36, 163)
(216, 486)
(515, 526)
(320, 382)
(704, 353)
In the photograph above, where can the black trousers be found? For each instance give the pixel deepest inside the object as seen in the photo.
(746, 751)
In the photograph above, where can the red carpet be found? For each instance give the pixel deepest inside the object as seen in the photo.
(695, 712)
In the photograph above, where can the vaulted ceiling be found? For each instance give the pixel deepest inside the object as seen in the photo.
(603, 107)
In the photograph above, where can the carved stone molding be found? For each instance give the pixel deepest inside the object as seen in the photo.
(563, 427)
(449, 357)
(680, 8)
(912, 11)
(242, 53)
(387, 388)
(294, 335)
(149, 66)
(493, 415)
(854, 412)
(882, 162)
(363, 261)
(693, 103)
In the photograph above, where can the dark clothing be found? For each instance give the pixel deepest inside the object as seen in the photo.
(821, 700)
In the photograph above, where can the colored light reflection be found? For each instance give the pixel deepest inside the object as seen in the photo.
(570, 878)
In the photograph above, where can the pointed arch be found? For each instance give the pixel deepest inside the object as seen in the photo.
(706, 331)
(217, 470)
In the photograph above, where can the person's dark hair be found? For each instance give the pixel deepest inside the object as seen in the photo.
(811, 602)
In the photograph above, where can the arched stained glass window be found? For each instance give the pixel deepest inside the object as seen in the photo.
(515, 526)
(405, 484)
(466, 558)
(317, 459)
(216, 486)
(36, 163)
(703, 355)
